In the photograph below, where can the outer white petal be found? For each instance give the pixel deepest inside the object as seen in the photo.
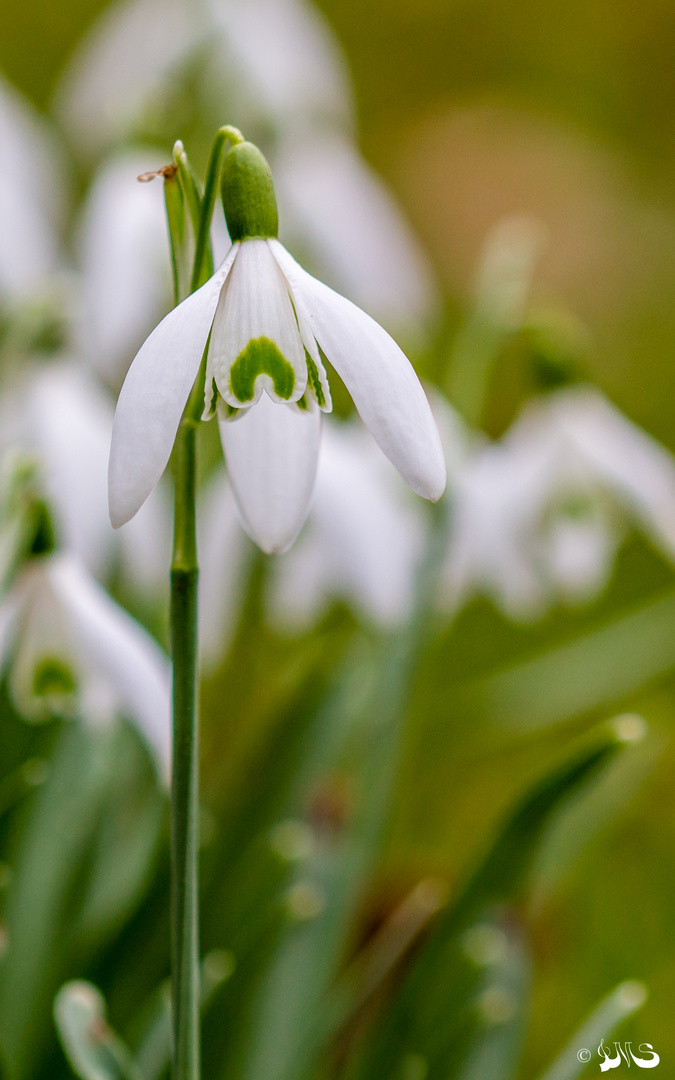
(271, 453)
(379, 377)
(224, 557)
(336, 209)
(125, 282)
(153, 397)
(119, 649)
(255, 304)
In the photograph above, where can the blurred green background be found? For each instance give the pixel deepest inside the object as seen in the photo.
(472, 111)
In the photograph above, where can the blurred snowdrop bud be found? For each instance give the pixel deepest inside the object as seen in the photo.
(123, 247)
(123, 68)
(72, 651)
(505, 275)
(59, 413)
(224, 556)
(336, 209)
(362, 542)
(31, 195)
(502, 290)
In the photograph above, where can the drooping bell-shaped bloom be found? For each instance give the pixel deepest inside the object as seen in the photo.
(58, 414)
(540, 514)
(71, 650)
(267, 322)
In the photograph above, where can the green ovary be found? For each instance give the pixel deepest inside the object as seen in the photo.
(261, 357)
(53, 677)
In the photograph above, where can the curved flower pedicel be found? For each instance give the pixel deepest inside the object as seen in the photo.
(267, 323)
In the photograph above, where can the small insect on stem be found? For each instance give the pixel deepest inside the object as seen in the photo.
(167, 171)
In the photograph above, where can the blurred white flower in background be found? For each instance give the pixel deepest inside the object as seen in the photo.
(124, 263)
(274, 63)
(335, 210)
(60, 414)
(225, 557)
(362, 543)
(538, 516)
(72, 651)
(283, 64)
(277, 69)
(31, 198)
(123, 69)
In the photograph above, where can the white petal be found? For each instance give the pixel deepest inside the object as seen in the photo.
(256, 304)
(153, 397)
(271, 452)
(224, 558)
(121, 650)
(379, 377)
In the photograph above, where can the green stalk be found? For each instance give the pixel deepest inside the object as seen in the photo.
(185, 769)
(181, 189)
(203, 264)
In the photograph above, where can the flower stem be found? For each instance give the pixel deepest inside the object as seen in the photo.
(185, 774)
(181, 192)
(203, 263)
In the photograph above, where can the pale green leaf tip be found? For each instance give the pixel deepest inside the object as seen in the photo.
(631, 995)
(628, 728)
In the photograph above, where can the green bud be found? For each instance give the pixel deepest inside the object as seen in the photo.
(249, 201)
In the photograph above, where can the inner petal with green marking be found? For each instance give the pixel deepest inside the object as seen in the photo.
(261, 357)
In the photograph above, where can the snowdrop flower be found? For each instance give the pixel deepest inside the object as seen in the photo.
(362, 541)
(540, 514)
(30, 197)
(62, 416)
(266, 319)
(71, 650)
(125, 281)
